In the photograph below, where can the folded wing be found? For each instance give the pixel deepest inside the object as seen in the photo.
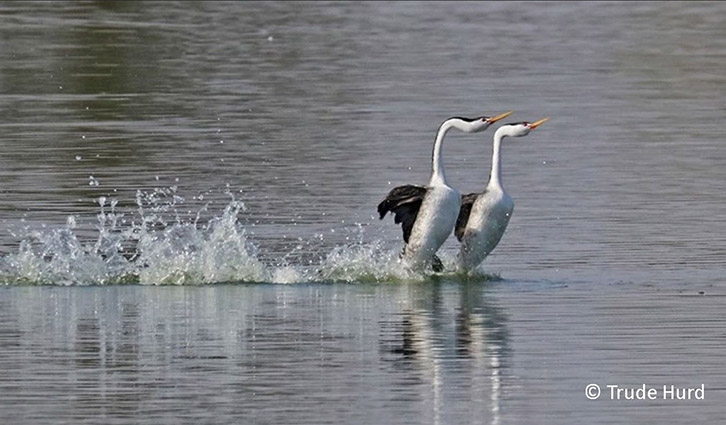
(466, 203)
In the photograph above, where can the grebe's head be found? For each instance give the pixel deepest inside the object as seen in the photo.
(475, 125)
(519, 129)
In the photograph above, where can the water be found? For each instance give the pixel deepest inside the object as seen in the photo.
(246, 144)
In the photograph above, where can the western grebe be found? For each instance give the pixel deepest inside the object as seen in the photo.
(484, 216)
(428, 213)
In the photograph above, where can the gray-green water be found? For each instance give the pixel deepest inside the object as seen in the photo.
(611, 269)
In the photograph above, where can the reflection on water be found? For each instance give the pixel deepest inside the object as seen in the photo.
(430, 353)
(442, 339)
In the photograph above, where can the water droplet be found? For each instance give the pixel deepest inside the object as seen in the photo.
(78, 157)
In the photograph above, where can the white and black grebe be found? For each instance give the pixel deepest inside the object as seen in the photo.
(428, 213)
(484, 216)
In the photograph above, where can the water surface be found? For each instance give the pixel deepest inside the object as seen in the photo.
(249, 143)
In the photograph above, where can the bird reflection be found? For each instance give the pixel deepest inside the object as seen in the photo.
(451, 346)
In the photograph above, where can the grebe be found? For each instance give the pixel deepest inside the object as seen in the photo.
(484, 216)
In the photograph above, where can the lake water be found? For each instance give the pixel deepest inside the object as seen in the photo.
(189, 233)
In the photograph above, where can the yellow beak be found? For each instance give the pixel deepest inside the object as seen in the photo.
(492, 120)
(538, 123)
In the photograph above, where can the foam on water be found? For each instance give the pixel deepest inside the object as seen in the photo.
(154, 246)
(365, 262)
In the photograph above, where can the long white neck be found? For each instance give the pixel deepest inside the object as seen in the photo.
(438, 175)
(495, 178)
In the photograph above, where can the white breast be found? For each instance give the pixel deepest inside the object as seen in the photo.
(434, 223)
(488, 220)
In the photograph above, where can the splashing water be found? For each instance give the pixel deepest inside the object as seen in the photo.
(365, 263)
(163, 253)
(155, 246)
(157, 250)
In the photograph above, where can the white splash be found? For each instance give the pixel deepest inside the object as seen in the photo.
(155, 246)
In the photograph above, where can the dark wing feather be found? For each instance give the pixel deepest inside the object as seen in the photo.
(403, 202)
(466, 203)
